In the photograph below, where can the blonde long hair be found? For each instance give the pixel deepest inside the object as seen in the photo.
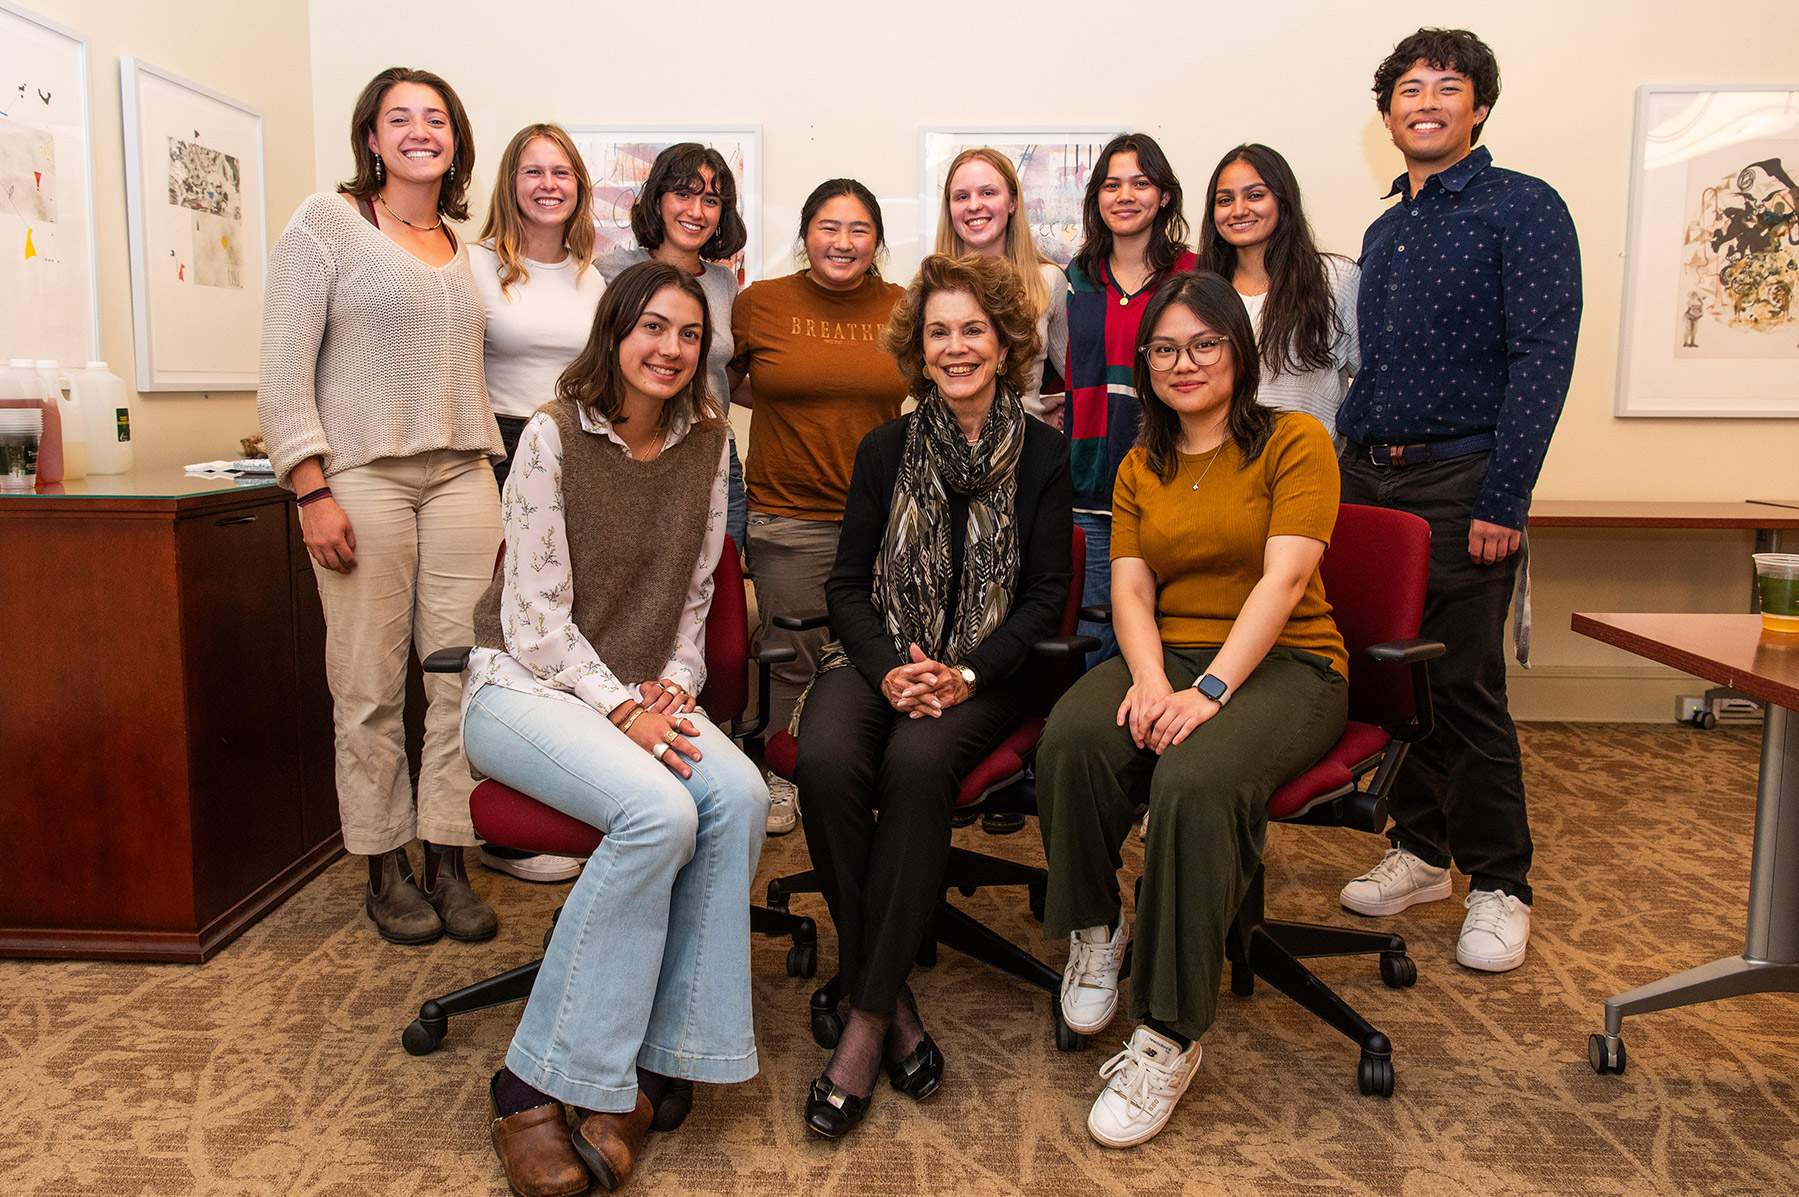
(505, 225)
(1021, 250)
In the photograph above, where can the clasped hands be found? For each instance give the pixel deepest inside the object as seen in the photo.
(656, 726)
(922, 687)
(1160, 716)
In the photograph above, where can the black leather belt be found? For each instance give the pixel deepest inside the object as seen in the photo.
(1418, 454)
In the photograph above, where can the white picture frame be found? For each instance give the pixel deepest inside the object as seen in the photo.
(1053, 164)
(49, 281)
(618, 159)
(1710, 313)
(195, 209)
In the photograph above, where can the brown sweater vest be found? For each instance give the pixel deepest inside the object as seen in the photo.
(634, 534)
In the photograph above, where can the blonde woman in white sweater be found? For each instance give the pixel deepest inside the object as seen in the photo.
(375, 414)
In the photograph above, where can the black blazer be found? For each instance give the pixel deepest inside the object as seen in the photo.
(1044, 515)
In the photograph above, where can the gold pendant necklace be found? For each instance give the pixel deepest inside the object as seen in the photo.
(423, 228)
(1204, 472)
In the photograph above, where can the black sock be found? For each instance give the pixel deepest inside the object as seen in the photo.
(652, 1084)
(1168, 1032)
(512, 1095)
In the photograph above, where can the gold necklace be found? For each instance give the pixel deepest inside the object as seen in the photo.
(423, 228)
(1204, 472)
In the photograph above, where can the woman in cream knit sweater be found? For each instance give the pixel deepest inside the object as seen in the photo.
(375, 414)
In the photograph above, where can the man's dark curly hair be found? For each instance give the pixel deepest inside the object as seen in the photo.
(1443, 50)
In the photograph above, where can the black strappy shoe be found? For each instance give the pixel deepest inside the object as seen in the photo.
(832, 1110)
(919, 1074)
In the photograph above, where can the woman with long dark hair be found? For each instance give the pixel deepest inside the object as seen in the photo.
(1231, 682)
(1134, 237)
(373, 409)
(581, 695)
(1302, 302)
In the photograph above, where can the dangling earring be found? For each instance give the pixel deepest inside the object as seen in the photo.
(380, 171)
(452, 172)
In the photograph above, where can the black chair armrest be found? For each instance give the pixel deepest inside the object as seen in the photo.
(447, 660)
(1064, 648)
(1097, 613)
(1405, 652)
(802, 623)
(776, 654)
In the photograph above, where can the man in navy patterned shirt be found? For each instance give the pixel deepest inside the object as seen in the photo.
(1469, 309)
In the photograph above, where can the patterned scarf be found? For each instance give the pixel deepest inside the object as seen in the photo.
(912, 572)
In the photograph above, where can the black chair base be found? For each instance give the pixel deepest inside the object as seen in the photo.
(1258, 946)
(426, 1031)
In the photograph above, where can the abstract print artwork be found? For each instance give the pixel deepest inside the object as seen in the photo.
(48, 290)
(194, 183)
(619, 159)
(1711, 303)
(1053, 168)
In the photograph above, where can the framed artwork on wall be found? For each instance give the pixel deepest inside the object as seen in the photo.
(1053, 166)
(1711, 267)
(194, 206)
(619, 159)
(49, 288)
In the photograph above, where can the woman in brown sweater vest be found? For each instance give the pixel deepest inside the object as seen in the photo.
(581, 695)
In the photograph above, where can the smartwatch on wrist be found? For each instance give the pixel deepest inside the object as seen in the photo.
(967, 677)
(1214, 688)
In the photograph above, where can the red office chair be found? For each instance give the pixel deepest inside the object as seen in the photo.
(1000, 792)
(506, 817)
(1374, 576)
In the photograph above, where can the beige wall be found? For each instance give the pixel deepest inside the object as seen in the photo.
(257, 53)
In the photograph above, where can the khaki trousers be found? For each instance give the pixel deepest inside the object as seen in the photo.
(789, 561)
(427, 529)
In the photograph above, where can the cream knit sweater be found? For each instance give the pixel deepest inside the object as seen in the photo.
(367, 352)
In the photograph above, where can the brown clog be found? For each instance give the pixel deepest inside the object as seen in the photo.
(534, 1149)
(609, 1143)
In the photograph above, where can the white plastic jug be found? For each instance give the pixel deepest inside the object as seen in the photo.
(107, 414)
(74, 432)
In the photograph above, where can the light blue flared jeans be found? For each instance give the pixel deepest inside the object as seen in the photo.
(650, 962)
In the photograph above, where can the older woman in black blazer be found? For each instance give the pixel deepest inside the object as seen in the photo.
(953, 560)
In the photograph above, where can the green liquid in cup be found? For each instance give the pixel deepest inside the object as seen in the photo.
(1780, 603)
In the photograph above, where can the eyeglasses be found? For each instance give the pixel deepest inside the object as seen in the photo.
(1205, 351)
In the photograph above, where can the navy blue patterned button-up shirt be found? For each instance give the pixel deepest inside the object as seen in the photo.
(1469, 310)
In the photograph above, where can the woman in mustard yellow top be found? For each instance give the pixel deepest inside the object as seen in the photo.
(1231, 682)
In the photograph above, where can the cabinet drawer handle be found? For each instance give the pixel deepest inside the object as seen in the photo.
(242, 519)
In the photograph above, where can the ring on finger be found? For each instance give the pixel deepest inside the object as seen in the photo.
(669, 737)
(660, 751)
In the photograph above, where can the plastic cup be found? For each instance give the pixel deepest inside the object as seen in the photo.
(20, 428)
(1777, 576)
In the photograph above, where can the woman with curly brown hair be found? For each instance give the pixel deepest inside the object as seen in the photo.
(953, 561)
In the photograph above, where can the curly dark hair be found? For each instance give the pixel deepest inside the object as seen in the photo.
(452, 194)
(1210, 297)
(678, 169)
(1442, 50)
(995, 287)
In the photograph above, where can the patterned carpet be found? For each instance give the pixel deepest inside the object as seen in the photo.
(277, 1069)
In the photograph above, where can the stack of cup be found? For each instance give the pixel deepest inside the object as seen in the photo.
(1777, 575)
(20, 428)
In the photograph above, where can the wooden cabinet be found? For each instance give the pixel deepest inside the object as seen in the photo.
(165, 740)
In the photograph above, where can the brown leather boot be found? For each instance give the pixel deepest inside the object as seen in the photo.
(465, 916)
(609, 1143)
(400, 911)
(534, 1149)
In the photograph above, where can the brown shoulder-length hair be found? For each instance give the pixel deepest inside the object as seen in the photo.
(678, 169)
(452, 192)
(1167, 232)
(1214, 301)
(504, 227)
(995, 288)
(594, 383)
(1300, 326)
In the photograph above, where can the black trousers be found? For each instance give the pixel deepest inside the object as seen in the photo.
(511, 428)
(1460, 796)
(882, 878)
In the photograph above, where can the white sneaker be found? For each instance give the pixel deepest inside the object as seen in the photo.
(1145, 1080)
(783, 805)
(1495, 933)
(1090, 978)
(542, 867)
(1398, 881)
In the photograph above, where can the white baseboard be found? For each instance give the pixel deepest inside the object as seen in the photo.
(1599, 693)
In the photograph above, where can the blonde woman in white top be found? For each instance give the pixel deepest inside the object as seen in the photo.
(374, 412)
(983, 215)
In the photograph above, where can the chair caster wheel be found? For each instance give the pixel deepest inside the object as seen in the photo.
(827, 1027)
(802, 960)
(1067, 1038)
(421, 1038)
(1398, 971)
(1606, 1054)
(1037, 895)
(1375, 1075)
(777, 898)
